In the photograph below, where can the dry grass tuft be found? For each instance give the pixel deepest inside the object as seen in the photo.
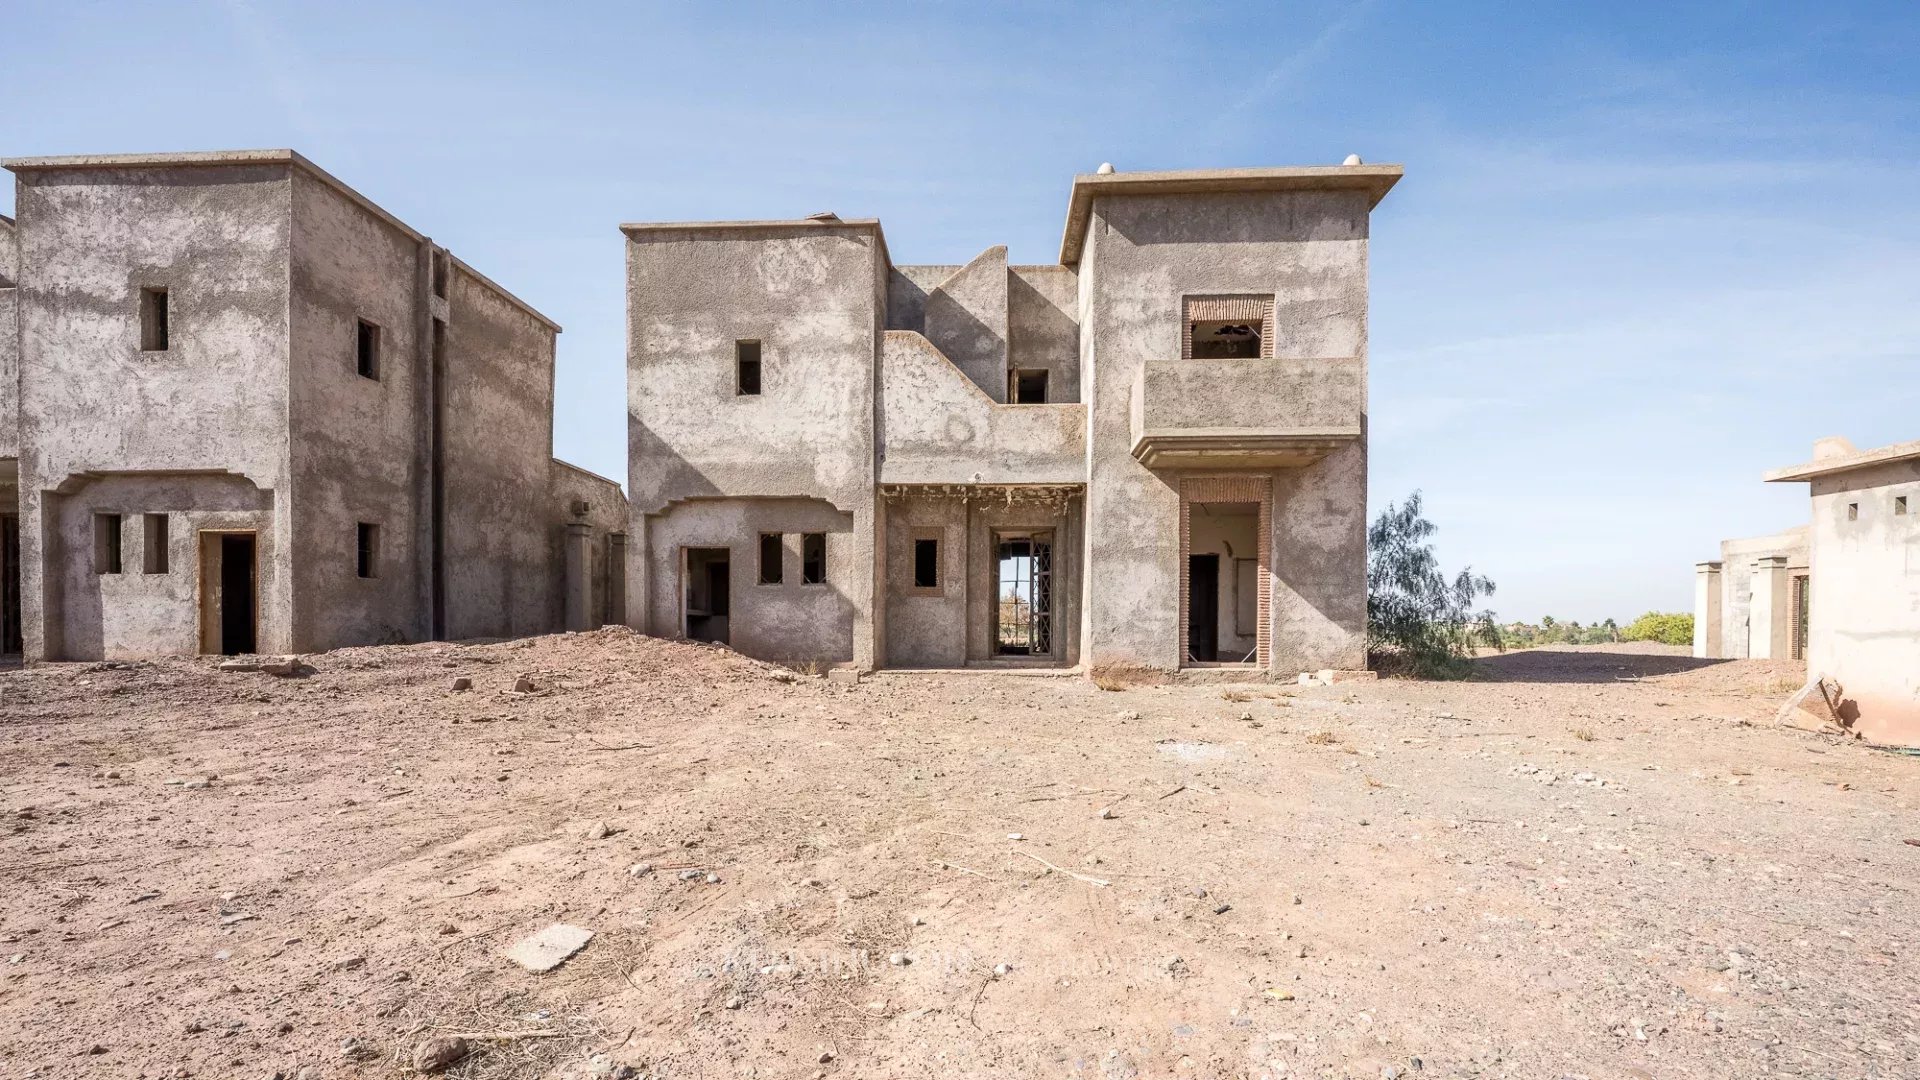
(1236, 695)
(1323, 738)
(1584, 734)
(1371, 782)
(1126, 676)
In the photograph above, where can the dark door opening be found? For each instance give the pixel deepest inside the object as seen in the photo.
(707, 592)
(9, 583)
(237, 594)
(1203, 608)
(1023, 595)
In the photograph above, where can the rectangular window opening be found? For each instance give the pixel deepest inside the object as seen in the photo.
(1900, 504)
(1853, 511)
(926, 564)
(813, 559)
(440, 274)
(153, 320)
(367, 349)
(106, 543)
(1027, 386)
(1226, 340)
(367, 564)
(746, 368)
(153, 551)
(772, 548)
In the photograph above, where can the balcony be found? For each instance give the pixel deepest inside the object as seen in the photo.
(1265, 413)
(938, 427)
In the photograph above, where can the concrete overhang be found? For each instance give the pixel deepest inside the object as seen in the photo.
(290, 158)
(1375, 180)
(1845, 461)
(720, 229)
(1238, 449)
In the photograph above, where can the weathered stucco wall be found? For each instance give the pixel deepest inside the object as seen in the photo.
(1043, 326)
(1865, 625)
(606, 521)
(966, 319)
(1143, 254)
(1737, 559)
(9, 343)
(498, 412)
(811, 294)
(791, 622)
(353, 439)
(218, 238)
(938, 427)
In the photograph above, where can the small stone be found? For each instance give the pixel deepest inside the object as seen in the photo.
(436, 1055)
(736, 1001)
(825, 1056)
(1001, 970)
(549, 948)
(1016, 836)
(1198, 892)
(1296, 898)
(1300, 953)
(1222, 909)
(919, 920)
(899, 959)
(811, 883)
(523, 685)
(459, 684)
(1106, 813)
(713, 879)
(354, 1048)
(595, 830)
(640, 869)
(349, 963)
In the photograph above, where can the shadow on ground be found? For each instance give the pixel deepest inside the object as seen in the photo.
(1555, 666)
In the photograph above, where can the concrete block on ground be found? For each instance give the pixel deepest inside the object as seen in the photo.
(549, 948)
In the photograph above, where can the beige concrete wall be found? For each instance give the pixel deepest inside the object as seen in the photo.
(938, 427)
(966, 319)
(1738, 558)
(1865, 625)
(1143, 254)
(355, 441)
(927, 628)
(218, 237)
(498, 416)
(1043, 326)
(812, 295)
(790, 622)
(9, 342)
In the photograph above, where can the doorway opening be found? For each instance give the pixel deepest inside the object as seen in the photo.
(1023, 594)
(1223, 602)
(9, 583)
(229, 593)
(706, 590)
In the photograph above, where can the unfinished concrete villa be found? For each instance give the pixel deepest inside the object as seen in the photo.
(1841, 593)
(245, 410)
(1151, 452)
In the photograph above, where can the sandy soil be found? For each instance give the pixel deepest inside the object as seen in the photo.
(1595, 862)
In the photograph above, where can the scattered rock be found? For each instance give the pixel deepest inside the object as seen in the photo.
(549, 948)
(460, 683)
(844, 676)
(1001, 970)
(594, 830)
(524, 685)
(899, 959)
(349, 963)
(640, 869)
(736, 1001)
(1106, 813)
(354, 1048)
(1222, 909)
(437, 1055)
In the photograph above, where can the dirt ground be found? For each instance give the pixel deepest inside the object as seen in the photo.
(1597, 862)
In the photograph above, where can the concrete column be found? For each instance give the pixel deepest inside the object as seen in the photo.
(1708, 634)
(617, 579)
(579, 583)
(1770, 622)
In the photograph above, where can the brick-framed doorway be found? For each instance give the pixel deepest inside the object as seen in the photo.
(1256, 490)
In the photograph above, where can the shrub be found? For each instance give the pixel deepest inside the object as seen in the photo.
(1418, 621)
(1666, 628)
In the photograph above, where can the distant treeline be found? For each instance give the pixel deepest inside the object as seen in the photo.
(1666, 628)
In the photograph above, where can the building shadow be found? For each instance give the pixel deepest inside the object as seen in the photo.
(1571, 666)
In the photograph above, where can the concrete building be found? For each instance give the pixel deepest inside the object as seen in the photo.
(1151, 452)
(1864, 548)
(250, 411)
(1752, 602)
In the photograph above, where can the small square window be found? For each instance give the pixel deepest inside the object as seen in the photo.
(367, 349)
(1027, 386)
(1853, 511)
(367, 559)
(153, 320)
(1226, 327)
(1900, 505)
(153, 552)
(813, 558)
(746, 368)
(106, 543)
(771, 550)
(926, 563)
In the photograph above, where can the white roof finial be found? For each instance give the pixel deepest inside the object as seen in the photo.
(1353, 159)
(1106, 168)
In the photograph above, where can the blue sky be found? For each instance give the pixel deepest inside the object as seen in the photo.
(1642, 253)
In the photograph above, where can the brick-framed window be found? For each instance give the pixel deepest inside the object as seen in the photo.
(1219, 327)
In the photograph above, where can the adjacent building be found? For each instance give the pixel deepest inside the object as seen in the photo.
(1752, 602)
(1151, 452)
(247, 410)
(1863, 545)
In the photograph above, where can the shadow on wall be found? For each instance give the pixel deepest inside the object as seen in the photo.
(1556, 666)
(1248, 218)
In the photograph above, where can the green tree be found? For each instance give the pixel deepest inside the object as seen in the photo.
(1418, 620)
(1673, 628)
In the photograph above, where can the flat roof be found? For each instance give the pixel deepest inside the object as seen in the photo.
(872, 225)
(1373, 179)
(281, 156)
(1846, 462)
